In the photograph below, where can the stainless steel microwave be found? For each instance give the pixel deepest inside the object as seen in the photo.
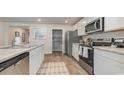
(95, 26)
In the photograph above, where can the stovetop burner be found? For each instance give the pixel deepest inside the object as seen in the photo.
(98, 42)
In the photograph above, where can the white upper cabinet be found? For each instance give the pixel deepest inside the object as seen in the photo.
(75, 27)
(90, 19)
(110, 24)
(114, 23)
(81, 27)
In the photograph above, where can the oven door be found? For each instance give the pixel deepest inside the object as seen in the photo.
(89, 58)
(87, 62)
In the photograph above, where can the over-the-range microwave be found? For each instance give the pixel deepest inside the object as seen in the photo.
(95, 26)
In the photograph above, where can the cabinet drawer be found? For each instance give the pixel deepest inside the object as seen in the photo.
(113, 56)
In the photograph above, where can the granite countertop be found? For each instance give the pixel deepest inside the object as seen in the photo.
(111, 49)
(7, 53)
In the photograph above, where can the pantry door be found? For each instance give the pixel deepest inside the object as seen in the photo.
(57, 40)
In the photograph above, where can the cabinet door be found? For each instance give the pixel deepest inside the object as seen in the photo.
(77, 52)
(75, 27)
(34, 64)
(74, 52)
(90, 19)
(81, 27)
(36, 59)
(114, 23)
(106, 65)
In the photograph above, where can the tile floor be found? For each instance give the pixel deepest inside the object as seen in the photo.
(54, 68)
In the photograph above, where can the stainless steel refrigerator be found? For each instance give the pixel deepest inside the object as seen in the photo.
(70, 38)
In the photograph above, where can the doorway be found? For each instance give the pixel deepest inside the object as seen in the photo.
(57, 40)
(23, 31)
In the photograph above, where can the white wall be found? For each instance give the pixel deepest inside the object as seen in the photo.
(48, 41)
(4, 28)
(48, 28)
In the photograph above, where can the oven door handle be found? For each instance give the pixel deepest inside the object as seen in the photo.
(95, 25)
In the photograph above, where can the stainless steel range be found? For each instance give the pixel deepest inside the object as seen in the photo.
(86, 56)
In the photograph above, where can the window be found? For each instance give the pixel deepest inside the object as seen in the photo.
(39, 33)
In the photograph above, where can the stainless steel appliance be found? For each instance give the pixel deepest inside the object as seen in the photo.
(86, 59)
(95, 26)
(70, 38)
(20, 63)
(118, 42)
(87, 56)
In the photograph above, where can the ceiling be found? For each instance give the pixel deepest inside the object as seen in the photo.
(44, 20)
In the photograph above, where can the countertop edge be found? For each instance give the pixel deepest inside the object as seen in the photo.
(109, 50)
(20, 52)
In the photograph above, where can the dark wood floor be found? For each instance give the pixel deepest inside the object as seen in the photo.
(71, 64)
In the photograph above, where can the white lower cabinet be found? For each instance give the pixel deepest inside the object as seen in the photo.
(35, 60)
(75, 51)
(107, 63)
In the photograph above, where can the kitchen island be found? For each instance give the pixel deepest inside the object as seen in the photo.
(34, 58)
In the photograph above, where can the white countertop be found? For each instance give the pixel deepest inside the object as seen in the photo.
(6, 54)
(111, 49)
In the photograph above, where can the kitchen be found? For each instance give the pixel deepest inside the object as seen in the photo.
(62, 45)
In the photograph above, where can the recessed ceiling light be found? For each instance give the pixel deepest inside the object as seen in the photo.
(66, 21)
(39, 20)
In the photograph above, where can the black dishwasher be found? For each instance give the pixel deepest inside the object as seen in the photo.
(12, 61)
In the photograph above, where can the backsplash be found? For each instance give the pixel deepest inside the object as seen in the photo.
(111, 34)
